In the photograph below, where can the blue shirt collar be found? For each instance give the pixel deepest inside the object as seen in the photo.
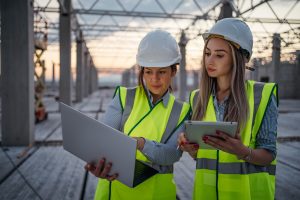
(165, 98)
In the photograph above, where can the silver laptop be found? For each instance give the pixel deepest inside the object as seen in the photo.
(91, 140)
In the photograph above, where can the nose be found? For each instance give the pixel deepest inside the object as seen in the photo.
(209, 60)
(155, 76)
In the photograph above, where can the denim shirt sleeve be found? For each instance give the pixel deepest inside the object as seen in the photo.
(164, 154)
(267, 134)
(113, 114)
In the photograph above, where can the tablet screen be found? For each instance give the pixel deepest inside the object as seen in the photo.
(195, 130)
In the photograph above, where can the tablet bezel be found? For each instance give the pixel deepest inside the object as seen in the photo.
(195, 130)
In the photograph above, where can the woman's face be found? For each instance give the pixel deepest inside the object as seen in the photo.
(218, 58)
(158, 80)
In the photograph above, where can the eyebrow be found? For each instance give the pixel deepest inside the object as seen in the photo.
(162, 68)
(218, 50)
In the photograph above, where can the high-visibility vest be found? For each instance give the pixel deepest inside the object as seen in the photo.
(155, 123)
(220, 175)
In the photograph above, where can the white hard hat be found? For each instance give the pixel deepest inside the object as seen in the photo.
(234, 30)
(158, 49)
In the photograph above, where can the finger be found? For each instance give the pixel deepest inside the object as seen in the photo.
(113, 177)
(189, 147)
(215, 145)
(99, 167)
(106, 170)
(215, 141)
(238, 136)
(181, 139)
(223, 135)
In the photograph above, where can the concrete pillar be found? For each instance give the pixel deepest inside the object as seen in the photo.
(17, 72)
(276, 58)
(298, 73)
(195, 79)
(65, 53)
(90, 75)
(79, 68)
(53, 85)
(125, 78)
(182, 70)
(254, 75)
(86, 63)
(226, 10)
(95, 79)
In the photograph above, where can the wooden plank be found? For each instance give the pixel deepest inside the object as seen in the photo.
(52, 172)
(288, 124)
(5, 165)
(18, 190)
(289, 154)
(51, 104)
(287, 179)
(43, 129)
(90, 188)
(56, 136)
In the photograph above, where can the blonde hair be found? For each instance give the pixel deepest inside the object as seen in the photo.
(238, 106)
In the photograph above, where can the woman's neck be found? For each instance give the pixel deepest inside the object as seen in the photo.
(223, 87)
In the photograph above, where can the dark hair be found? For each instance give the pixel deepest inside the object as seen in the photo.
(141, 73)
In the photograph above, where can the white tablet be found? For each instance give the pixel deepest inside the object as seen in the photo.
(195, 130)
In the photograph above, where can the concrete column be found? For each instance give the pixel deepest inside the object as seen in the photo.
(226, 10)
(86, 63)
(65, 53)
(17, 72)
(276, 58)
(125, 78)
(90, 75)
(95, 80)
(79, 69)
(53, 85)
(195, 79)
(182, 70)
(298, 73)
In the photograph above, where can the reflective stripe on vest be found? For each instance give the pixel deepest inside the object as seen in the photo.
(234, 168)
(222, 175)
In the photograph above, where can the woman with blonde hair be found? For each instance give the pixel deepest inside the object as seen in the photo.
(240, 167)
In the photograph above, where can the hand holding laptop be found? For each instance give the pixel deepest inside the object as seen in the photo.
(101, 170)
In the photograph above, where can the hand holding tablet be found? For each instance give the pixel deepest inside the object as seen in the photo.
(196, 130)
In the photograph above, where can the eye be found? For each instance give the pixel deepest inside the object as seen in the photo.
(147, 72)
(220, 55)
(162, 72)
(207, 53)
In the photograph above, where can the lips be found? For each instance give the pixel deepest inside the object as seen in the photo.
(156, 86)
(211, 69)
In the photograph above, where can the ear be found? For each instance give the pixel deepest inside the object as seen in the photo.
(246, 60)
(173, 73)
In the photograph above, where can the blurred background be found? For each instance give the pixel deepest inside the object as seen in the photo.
(78, 51)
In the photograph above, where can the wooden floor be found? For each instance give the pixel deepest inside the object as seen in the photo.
(46, 171)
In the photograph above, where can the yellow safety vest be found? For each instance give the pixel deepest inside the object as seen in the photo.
(220, 175)
(158, 124)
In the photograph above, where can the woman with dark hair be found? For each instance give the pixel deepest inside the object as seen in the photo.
(150, 114)
(241, 167)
